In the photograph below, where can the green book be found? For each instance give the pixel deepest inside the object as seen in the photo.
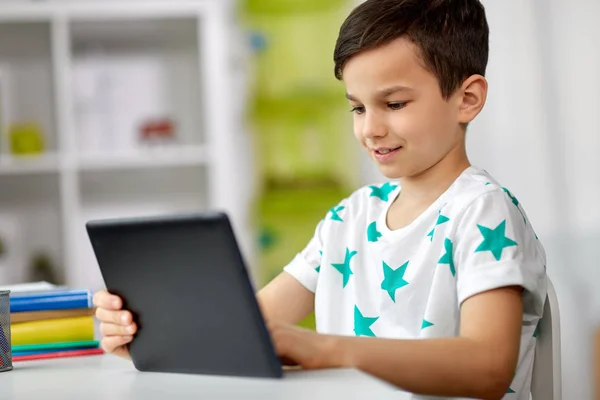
(56, 346)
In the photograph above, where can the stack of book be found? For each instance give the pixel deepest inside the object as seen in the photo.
(52, 322)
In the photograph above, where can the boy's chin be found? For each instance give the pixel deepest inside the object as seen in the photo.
(390, 172)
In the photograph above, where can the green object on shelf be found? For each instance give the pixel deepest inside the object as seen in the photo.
(26, 139)
(42, 269)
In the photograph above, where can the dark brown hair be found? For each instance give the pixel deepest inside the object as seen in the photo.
(451, 35)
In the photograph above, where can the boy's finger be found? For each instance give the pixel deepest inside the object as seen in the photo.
(117, 330)
(114, 317)
(103, 299)
(111, 344)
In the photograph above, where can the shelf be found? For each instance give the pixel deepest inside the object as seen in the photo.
(132, 193)
(20, 10)
(30, 222)
(34, 164)
(143, 191)
(26, 80)
(129, 73)
(101, 78)
(179, 156)
(125, 33)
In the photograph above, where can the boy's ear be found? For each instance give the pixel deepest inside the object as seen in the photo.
(473, 94)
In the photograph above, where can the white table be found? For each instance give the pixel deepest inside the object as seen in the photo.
(108, 377)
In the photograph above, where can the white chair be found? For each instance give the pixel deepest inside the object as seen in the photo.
(547, 376)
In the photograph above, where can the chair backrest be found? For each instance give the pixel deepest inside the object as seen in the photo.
(546, 381)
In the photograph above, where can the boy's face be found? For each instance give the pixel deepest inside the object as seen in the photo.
(400, 116)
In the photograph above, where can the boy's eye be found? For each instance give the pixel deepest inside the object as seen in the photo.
(396, 106)
(357, 110)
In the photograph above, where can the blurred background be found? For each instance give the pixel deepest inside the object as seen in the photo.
(131, 107)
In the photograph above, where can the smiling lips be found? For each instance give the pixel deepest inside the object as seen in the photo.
(385, 154)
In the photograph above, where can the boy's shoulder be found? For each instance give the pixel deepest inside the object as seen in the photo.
(476, 197)
(471, 185)
(475, 183)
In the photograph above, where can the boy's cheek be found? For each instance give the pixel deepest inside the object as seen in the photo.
(359, 137)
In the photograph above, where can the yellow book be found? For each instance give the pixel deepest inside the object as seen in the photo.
(52, 331)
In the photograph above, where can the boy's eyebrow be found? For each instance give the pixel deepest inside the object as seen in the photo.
(393, 89)
(385, 92)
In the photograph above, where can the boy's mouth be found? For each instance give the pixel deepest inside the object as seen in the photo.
(386, 150)
(385, 155)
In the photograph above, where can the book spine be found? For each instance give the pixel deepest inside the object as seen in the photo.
(53, 331)
(50, 303)
(56, 346)
(28, 316)
(35, 352)
(59, 354)
(54, 293)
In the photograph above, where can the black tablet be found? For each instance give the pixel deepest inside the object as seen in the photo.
(185, 281)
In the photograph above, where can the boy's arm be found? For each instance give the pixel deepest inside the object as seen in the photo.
(480, 363)
(285, 299)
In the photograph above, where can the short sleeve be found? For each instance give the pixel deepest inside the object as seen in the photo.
(306, 265)
(495, 246)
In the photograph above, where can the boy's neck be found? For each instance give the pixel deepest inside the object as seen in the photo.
(427, 186)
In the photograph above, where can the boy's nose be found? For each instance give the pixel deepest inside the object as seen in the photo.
(373, 128)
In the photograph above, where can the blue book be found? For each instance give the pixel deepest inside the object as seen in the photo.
(51, 300)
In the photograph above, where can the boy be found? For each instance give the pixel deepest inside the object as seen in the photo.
(434, 281)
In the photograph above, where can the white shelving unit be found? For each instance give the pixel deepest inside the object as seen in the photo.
(90, 73)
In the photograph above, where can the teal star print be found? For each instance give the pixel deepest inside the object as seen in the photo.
(430, 235)
(344, 268)
(393, 279)
(447, 257)
(362, 325)
(441, 219)
(515, 202)
(513, 198)
(383, 192)
(426, 324)
(510, 391)
(536, 332)
(373, 234)
(318, 269)
(334, 213)
(494, 240)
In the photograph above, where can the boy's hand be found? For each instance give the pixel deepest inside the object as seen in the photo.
(116, 325)
(308, 349)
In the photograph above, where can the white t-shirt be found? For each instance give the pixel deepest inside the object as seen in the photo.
(409, 283)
